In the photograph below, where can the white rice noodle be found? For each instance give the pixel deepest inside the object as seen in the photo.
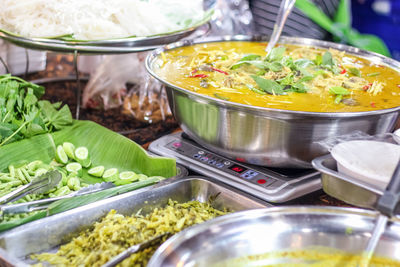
(97, 19)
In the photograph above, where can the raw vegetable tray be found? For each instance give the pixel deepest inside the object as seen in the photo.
(106, 148)
(48, 234)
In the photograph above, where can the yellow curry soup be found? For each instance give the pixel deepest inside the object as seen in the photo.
(291, 77)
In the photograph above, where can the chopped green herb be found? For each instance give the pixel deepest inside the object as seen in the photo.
(276, 54)
(373, 74)
(252, 88)
(221, 97)
(268, 86)
(318, 60)
(338, 90)
(355, 72)
(250, 57)
(327, 59)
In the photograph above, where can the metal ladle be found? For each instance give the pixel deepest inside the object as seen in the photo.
(284, 11)
(387, 205)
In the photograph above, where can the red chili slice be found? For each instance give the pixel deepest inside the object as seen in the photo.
(221, 71)
(343, 71)
(373, 104)
(199, 76)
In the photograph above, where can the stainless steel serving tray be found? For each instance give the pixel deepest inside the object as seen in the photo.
(49, 233)
(347, 189)
(276, 229)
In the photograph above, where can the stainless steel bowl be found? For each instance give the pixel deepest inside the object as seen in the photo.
(266, 136)
(265, 230)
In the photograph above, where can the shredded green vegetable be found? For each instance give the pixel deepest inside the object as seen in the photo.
(115, 233)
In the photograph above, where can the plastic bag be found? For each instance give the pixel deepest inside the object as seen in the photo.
(147, 100)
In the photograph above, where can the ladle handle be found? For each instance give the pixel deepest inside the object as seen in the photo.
(387, 203)
(284, 11)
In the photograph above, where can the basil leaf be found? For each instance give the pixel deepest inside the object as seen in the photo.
(299, 88)
(252, 88)
(288, 62)
(306, 79)
(257, 63)
(355, 72)
(268, 86)
(338, 90)
(250, 57)
(287, 80)
(303, 63)
(276, 54)
(275, 66)
(327, 59)
(318, 60)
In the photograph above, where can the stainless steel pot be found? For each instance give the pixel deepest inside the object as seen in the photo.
(273, 229)
(266, 136)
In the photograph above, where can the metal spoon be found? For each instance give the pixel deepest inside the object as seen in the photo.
(284, 11)
(387, 205)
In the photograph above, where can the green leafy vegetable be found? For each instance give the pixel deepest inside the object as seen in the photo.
(327, 59)
(22, 115)
(355, 72)
(276, 54)
(268, 86)
(339, 92)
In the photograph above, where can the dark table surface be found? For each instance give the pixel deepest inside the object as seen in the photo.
(143, 133)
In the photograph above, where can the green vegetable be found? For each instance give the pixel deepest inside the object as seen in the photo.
(82, 156)
(22, 115)
(110, 175)
(74, 167)
(339, 92)
(373, 74)
(69, 149)
(61, 157)
(276, 54)
(126, 177)
(355, 72)
(221, 97)
(268, 86)
(96, 171)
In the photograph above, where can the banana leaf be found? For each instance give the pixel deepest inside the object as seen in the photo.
(113, 150)
(39, 147)
(70, 203)
(105, 147)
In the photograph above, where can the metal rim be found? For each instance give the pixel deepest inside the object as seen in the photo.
(173, 241)
(373, 57)
(318, 164)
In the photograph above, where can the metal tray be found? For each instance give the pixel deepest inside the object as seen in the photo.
(345, 188)
(255, 232)
(47, 234)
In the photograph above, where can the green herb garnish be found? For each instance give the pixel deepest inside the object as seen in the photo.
(373, 74)
(221, 97)
(268, 86)
(339, 92)
(355, 72)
